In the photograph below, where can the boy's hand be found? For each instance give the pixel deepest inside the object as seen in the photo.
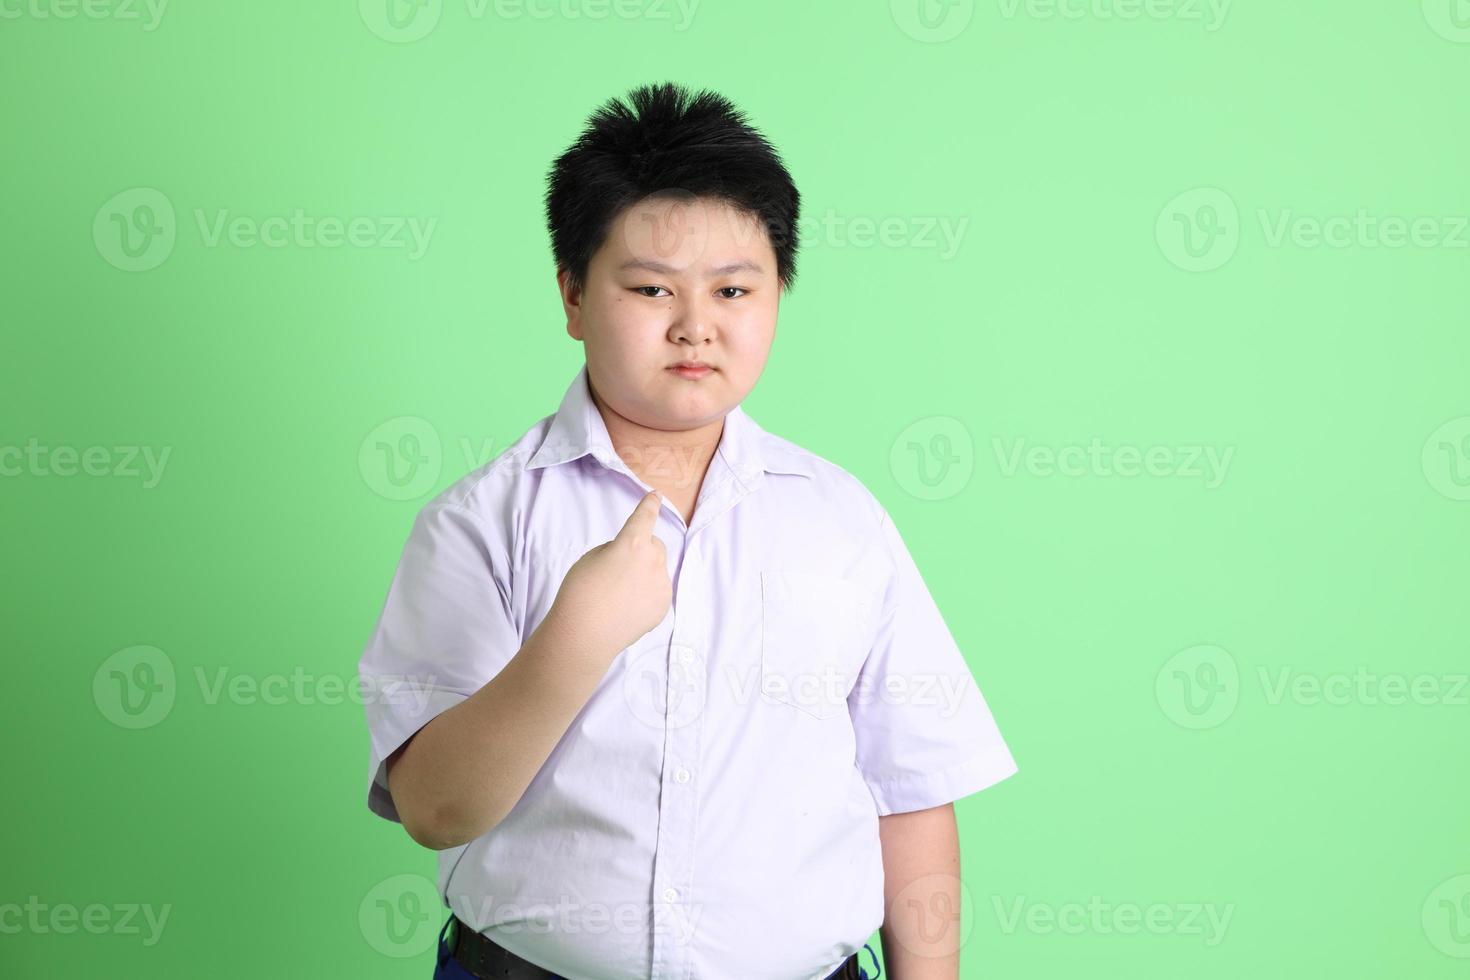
(619, 590)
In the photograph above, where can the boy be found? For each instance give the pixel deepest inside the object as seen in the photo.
(679, 704)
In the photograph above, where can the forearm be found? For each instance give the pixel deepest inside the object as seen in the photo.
(460, 774)
(921, 893)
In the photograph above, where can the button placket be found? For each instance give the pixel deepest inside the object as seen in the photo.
(678, 798)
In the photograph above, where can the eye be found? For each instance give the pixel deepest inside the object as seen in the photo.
(727, 289)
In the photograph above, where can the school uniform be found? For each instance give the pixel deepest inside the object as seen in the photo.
(713, 809)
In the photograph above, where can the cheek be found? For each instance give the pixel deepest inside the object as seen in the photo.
(627, 322)
(754, 327)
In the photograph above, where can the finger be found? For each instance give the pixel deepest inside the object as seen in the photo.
(639, 524)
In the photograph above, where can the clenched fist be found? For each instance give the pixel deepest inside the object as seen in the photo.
(619, 590)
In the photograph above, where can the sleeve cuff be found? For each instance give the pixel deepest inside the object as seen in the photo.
(920, 791)
(391, 729)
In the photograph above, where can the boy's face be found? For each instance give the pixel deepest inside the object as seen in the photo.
(678, 279)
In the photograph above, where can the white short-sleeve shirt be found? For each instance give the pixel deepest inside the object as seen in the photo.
(712, 811)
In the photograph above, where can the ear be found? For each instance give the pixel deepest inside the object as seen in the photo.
(571, 302)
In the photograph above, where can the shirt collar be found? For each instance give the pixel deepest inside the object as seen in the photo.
(578, 429)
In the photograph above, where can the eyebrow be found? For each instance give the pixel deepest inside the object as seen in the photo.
(651, 265)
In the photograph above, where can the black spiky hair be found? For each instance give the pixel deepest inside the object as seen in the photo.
(663, 138)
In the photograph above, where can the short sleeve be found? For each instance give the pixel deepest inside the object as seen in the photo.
(446, 629)
(924, 733)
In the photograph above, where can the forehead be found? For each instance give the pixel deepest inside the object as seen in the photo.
(677, 232)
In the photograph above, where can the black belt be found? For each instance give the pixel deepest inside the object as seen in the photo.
(488, 960)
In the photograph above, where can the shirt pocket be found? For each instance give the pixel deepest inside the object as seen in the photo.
(812, 630)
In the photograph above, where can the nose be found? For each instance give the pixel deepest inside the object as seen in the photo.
(694, 321)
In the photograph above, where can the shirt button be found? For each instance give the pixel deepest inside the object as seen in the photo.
(671, 894)
(685, 655)
(681, 775)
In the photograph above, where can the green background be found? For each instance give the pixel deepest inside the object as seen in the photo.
(1102, 614)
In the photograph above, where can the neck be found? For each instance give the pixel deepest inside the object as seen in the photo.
(671, 461)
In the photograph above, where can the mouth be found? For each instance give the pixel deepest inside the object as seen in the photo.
(690, 369)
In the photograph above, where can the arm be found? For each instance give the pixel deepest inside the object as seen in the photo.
(921, 892)
(463, 771)
(460, 774)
